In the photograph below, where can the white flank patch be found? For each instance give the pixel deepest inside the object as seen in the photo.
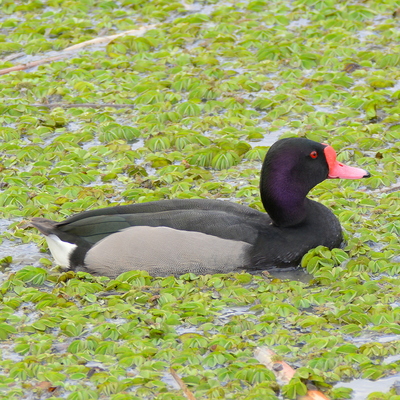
(60, 250)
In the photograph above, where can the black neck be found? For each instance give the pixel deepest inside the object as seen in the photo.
(286, 212)
(284, 199)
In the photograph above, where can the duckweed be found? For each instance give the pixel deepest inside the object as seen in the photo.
(186, 109)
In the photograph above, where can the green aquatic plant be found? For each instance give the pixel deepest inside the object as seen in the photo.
(175, 113)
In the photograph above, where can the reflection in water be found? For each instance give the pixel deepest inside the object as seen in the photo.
(292, 274)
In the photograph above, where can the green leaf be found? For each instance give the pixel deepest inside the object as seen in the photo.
(37, 276)
(347, 348)
(113, 131)
(388, 60)
(189, 109)
(225, 160)
(6, 330)
(158, 143)
(294, 389)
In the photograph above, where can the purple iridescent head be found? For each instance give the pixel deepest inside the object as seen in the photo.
(292, 167)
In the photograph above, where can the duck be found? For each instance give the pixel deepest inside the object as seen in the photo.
(205, 236)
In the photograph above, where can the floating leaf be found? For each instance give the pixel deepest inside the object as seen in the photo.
(32, 274)
(113, 131)
(158, 143)
(294, 389)
(225, 160)
(6, 330)
(380, 83)
(189, 109)
(257, 153)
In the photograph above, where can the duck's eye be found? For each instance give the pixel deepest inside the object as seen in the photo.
(314, 154)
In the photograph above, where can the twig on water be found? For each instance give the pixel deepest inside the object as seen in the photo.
(186, 391)
(284, 372)
(83, 105)
(68, 51)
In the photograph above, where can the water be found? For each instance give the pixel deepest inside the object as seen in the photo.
(363, 387)
(22, 253)
(269, 138)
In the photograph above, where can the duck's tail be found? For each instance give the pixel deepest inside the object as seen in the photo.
(45, 226)
(60, 249)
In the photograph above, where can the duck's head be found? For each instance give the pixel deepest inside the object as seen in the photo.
(292, 167)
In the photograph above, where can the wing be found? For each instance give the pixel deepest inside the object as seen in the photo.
(218, 218)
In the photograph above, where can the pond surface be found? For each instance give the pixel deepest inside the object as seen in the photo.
(244, 69)
(363, 387)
